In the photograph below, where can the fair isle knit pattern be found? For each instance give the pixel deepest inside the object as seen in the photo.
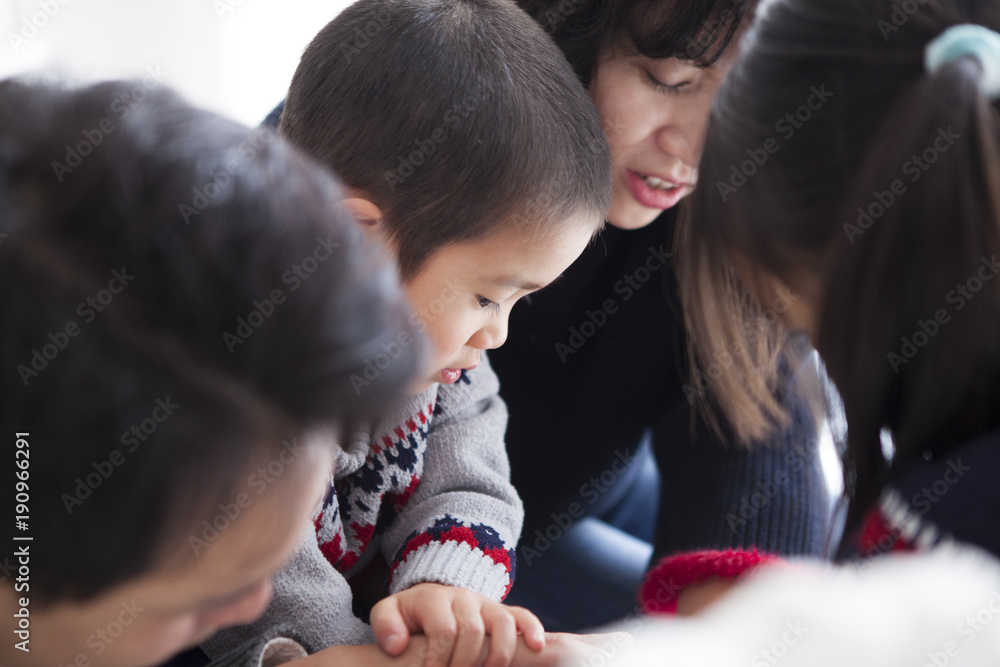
(368, 497)
(451, 540)
(359, 506)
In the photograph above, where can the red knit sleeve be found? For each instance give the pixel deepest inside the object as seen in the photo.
(664, 583)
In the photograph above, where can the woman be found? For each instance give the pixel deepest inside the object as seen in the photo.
(595, 364)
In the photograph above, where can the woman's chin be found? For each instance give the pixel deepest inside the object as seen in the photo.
(634, 217)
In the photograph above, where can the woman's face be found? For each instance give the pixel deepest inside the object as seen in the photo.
(221, 576)
(655, 113)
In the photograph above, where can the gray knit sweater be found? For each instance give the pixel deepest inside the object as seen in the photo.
(429, 488)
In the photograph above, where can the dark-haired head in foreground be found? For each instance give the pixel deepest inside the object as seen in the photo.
(875, 206)
(184, 301)
(468, 146)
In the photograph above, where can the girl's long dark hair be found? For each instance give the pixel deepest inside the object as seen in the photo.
(882, 182)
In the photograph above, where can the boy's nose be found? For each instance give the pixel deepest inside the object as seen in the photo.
(490, 336)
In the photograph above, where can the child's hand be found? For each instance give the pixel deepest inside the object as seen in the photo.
(457, 623)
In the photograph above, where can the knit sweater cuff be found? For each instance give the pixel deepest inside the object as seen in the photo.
(666, 581)
(454, 563)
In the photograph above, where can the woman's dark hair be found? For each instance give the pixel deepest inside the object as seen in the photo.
(833, 157)
(458, 118)
(695, 30)
(182, 297)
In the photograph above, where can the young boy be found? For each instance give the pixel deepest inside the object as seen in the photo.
(469, 149)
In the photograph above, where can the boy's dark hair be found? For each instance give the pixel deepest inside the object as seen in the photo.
(695, 30)
(148, 353)
(456, 117)
(846, 200)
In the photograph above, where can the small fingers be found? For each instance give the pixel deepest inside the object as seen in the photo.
(468, 613)
(502, 629)
(529, 626)
(389, 626)
(441, 630)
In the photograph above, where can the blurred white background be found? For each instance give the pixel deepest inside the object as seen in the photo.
(232, 56)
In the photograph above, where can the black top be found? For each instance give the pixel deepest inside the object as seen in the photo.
(598, 357)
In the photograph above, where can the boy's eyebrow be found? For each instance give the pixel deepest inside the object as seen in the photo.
(516, 283)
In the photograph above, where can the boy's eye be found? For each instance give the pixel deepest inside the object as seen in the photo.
(486, 303)
(665, 88)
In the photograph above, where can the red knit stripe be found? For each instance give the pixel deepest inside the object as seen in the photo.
(666, 581)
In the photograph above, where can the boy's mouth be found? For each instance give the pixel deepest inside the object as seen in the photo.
(451, 375)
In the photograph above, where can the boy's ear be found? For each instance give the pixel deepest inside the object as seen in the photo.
(365, 212)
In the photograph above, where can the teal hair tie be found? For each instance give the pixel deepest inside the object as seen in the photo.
(973, 40)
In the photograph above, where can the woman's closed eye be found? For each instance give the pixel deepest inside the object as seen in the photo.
(665, 88)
